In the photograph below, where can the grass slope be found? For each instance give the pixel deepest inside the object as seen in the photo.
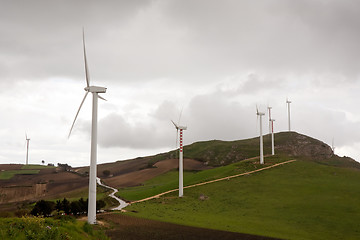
(47, 229)
(11, 173)
(220, 153)
(300, 200)
(34, 166)
(170, 180)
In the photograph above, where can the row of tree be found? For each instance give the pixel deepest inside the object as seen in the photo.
(46, 208)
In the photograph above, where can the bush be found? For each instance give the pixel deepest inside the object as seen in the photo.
(43, 208)
(46, 229)
(88, 228)
(106, 173)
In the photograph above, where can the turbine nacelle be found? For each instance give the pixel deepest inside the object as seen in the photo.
(259, 113)
(179, 127)
(95, 89)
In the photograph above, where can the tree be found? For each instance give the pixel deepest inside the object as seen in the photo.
(65, 167)
(75, 208)
(100, 204)
(65, 204)
(58, 206)
(106, 173)
(83, 205)
(43, 208)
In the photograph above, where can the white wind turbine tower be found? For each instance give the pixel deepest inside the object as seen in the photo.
(269, 109)
(272, 136)
(95, 90)
(27, 148)
(288, 108)
(261, 114)
(181, 160)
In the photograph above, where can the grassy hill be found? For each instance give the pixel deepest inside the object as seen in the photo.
(300, 200)
(315, 197)
(170, 180)
(220, 153)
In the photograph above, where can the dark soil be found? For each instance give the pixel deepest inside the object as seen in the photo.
(127, 227)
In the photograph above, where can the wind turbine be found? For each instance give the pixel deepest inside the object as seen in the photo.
(27, 148)
(269, 109)
(288, 106)
(261, 136)
(181, 161)
(272, 137)
(95, 90)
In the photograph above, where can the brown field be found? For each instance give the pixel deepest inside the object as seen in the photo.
(46, 184)
(10, 166)
(137, 177)
(54, 183)
(126, 227)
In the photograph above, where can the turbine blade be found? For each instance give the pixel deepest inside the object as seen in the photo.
(78, 113)
(86, 65)
(102, 98)
(176, 126)
(177, 136)
(180, 116)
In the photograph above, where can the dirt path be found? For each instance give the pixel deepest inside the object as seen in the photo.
(212, 181)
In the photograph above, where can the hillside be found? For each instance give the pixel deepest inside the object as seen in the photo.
(300, 200)
(220, 153)
(21, 186)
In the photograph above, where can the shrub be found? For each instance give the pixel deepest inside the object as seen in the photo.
(106, 173)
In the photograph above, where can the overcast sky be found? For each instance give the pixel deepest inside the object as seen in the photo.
(211, 60)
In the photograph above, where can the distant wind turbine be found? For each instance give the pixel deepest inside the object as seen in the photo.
(260, 114)
(27, 148)
(269, 109)
(272, 137)
(181, 161)
(288, 107)
(95, 90)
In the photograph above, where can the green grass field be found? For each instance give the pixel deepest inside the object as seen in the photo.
(11, 173)
(170, 180)
(34, 166)
(47, 229)
(299, 200)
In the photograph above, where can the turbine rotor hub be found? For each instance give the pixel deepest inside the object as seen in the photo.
(95, 89)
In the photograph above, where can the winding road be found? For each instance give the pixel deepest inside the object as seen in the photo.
(122, 203)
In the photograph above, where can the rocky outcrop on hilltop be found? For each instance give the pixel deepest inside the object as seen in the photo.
(299, 145)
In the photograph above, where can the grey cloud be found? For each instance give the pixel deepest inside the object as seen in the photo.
(42, 39)
(284, 35)
(212, 116)
(166, 111)
(116, 131)
(187, 40)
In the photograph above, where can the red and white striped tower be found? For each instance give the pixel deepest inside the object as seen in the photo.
(181, 159)
(181, 165)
